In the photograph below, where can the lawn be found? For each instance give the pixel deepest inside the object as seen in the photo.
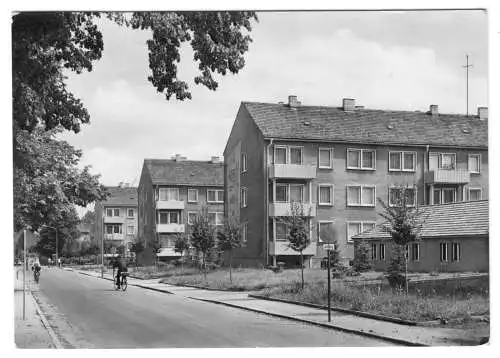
(455, 304)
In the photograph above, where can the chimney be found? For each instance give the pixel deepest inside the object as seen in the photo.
(434, 110)
(348, 104)
(215, 160)
(482, 113)
(120, 184)
(178, 158)
(292, 102)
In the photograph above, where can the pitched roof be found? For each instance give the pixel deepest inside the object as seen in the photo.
(121, 196)
(185, 172)
(469, 218)
(367, 126)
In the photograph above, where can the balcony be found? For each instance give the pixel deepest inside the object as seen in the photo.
(282, 248)
(170, 228)
(170, 204)
(447, 176)
(168, 251)
(283, 209)
(114, 237)
(292, 171)
(114, 219)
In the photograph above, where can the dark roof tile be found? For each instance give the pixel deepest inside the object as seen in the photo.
(185, 172)
(121, 196)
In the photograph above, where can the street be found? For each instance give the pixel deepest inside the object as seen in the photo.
(86, 312)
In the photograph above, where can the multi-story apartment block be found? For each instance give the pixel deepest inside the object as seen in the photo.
(171, 194)
(337, 162)
(116, 218)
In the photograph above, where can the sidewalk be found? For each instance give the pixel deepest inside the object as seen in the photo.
(397, 333)
(30, 332)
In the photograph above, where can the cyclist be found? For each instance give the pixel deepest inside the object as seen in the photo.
(122, 267)
(36, 268)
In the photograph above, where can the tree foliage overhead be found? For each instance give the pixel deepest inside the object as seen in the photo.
(46, 43)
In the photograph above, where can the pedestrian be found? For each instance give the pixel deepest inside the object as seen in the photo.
(59, 262)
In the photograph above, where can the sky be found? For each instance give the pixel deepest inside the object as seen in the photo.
(385, 60)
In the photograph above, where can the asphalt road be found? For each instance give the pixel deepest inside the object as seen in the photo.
(86, 312)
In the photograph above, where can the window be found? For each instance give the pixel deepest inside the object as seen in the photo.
(131, 213)
(215, 196)
(280, 155)
(130, 230)
(402, 161)
(449, 195)
(325, 230)
(415, 252)
(296, 193)
(296, 155)
(475, 194)
(113, 229)
(361, 159)
(361, 195)
(109, 212)
(325, 194)
(455, 252)
(167, 194)
(281, 231)
(475, 163)
(244, 234)
(381, 252)
(192, 217)
(116, 212)
(325, 158)
(169, 217)
(447, 161)
(443, 251)
(192, 195)
(395, 195)
(243, 162)
(374, 251)
(357, 227)
(281, 193)
(243, 198)
(215, 218)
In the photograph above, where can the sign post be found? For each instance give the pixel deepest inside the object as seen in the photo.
(24, 276)
(329, 289)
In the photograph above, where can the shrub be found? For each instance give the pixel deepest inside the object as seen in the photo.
(361, 261)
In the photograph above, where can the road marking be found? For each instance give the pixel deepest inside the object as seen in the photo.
(46, 323)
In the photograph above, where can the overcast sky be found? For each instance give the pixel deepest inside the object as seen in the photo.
(385, 60)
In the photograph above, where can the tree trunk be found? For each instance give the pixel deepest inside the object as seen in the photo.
(302, 268)
(230, 267)
(204, 267)
(406, 274)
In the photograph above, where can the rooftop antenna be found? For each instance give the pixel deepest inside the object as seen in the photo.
(467, 66)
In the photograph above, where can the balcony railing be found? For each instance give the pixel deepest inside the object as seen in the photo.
(283, 209)
(283, 248)
(292, 171)
(447, 176)
(170, 204)
(114, 219)
(114, 237)
(170, 228)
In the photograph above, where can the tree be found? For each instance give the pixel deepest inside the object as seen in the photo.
(229, 238)
(136, 248)
(47, 180)
(361, 262)
(396, 267)
(298, 232)
(155, 248)
(404, 220)
(120, 250)
(202, 236)
(181, 246)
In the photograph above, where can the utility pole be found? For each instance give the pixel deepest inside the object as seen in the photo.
(102, 245)
(24, 276)
(467, 66)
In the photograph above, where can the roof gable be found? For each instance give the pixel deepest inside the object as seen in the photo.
(367, 126)
(185, 172)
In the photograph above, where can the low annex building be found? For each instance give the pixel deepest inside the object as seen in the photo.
(454, 238)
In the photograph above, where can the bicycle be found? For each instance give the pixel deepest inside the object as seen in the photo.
(37, 276)
(123, 281)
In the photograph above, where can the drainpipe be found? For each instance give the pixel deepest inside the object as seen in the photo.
(266, 161)
(426, 165)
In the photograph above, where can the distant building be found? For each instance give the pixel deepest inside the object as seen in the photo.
(337, 161)
(454, 238)
(85, 233)
(116, 218)
(171, 193)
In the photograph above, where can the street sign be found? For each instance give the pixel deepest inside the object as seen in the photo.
(329, 246)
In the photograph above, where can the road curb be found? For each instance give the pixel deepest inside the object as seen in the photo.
(324, 325)
(46, 324)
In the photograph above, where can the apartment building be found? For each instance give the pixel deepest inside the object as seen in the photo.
(337, 162)
(171, 193)
(454, 238)
(116, 218)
